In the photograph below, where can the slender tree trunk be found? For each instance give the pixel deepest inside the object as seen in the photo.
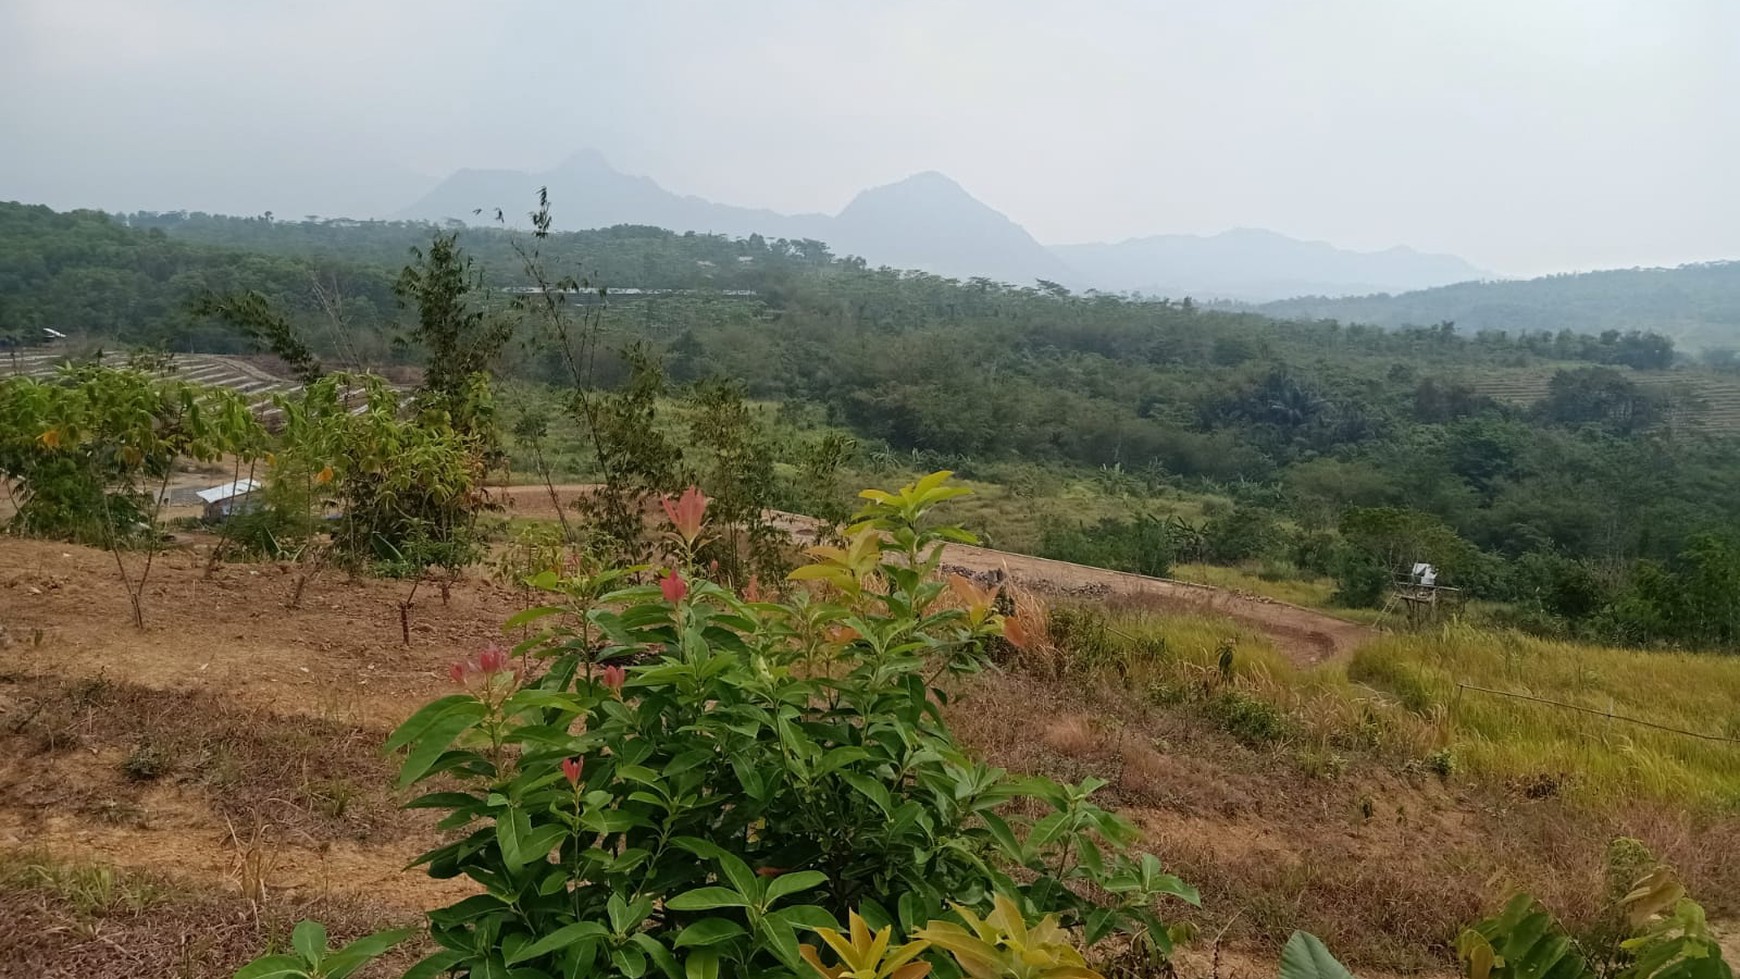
(405, 604)
(151, 527)
(224, 536)
(114, 542)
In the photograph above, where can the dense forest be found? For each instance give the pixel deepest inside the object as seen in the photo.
(1600, 508)
(1698, 306)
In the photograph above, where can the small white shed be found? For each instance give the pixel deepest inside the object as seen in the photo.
(229, 500)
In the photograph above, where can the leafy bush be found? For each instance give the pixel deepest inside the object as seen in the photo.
(1238, 535)
(1250, 718)
(1360, 580)
(1144, 544)
(1658, 933)
(671, 777)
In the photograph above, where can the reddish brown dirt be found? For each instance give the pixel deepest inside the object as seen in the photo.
(261, 711)
(1305, 635)
(259, 726)
(66, 612)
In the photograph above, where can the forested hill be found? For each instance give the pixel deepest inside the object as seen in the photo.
(1697, 305)
(1600, 448)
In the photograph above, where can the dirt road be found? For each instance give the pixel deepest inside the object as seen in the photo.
(1306, 636)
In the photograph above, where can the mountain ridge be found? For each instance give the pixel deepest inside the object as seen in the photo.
(928, 221)
(1697, 305)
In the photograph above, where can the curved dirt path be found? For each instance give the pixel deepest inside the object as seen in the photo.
(1306, 636)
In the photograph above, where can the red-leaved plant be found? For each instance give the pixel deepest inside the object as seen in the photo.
(691, 783)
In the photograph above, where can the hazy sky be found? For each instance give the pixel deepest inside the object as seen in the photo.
(1525, 135)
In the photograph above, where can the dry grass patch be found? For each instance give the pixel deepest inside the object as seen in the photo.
(92, 921)
(110, 750)
(1304, 799)
(1548, 750)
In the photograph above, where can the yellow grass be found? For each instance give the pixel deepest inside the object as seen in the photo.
(1597, 758)
(1398, 696)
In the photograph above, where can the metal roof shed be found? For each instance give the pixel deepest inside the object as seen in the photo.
(229, 499)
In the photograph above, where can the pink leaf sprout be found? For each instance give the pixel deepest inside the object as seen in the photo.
(486, 664)
(673, 586)
(687, 513)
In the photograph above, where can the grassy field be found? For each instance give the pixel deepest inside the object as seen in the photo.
(1399, 698)
(1563, 750)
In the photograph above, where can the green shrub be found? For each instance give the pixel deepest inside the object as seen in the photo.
(1360, 580)
(670, 778)
(1144, 545)
(1442, 763)
(1238, 535)
(1249, 718)
(1653, 931)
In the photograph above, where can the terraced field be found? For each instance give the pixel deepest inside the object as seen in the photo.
(232, 372)
(1714, 399)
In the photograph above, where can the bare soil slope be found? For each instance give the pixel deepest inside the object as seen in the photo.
(230, 752)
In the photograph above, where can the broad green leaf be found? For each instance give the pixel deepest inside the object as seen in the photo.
(443, 800)
(800, 880)
(660, 955)
(521, 618)
(559, 939)
(435, 965)
(511, 830)
(354, 956)
(273, 967)
(709, 931)
(705, 849)
(782, 939)
(437, 737)
(630, 960)
(739, 874)
(688, 760)
(539, 842)
(419, 722)
(701, 964)
(707, 898)
(806, 916)
(309, 938)
(871, 789)
(1005, 837)
(1304, 957)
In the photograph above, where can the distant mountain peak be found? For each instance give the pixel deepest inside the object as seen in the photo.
(586, 159)
(924, 221)
(928, 221)
(930, 185)
(930, 178)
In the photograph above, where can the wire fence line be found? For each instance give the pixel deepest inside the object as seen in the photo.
(1598, 713)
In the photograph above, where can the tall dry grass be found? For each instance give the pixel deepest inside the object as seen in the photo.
(1399, 696)
(1587, 757)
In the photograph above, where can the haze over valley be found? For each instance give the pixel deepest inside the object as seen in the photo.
(942, 488)
(929, 222)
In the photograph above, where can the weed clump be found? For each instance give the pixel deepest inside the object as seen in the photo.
(147, 762)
